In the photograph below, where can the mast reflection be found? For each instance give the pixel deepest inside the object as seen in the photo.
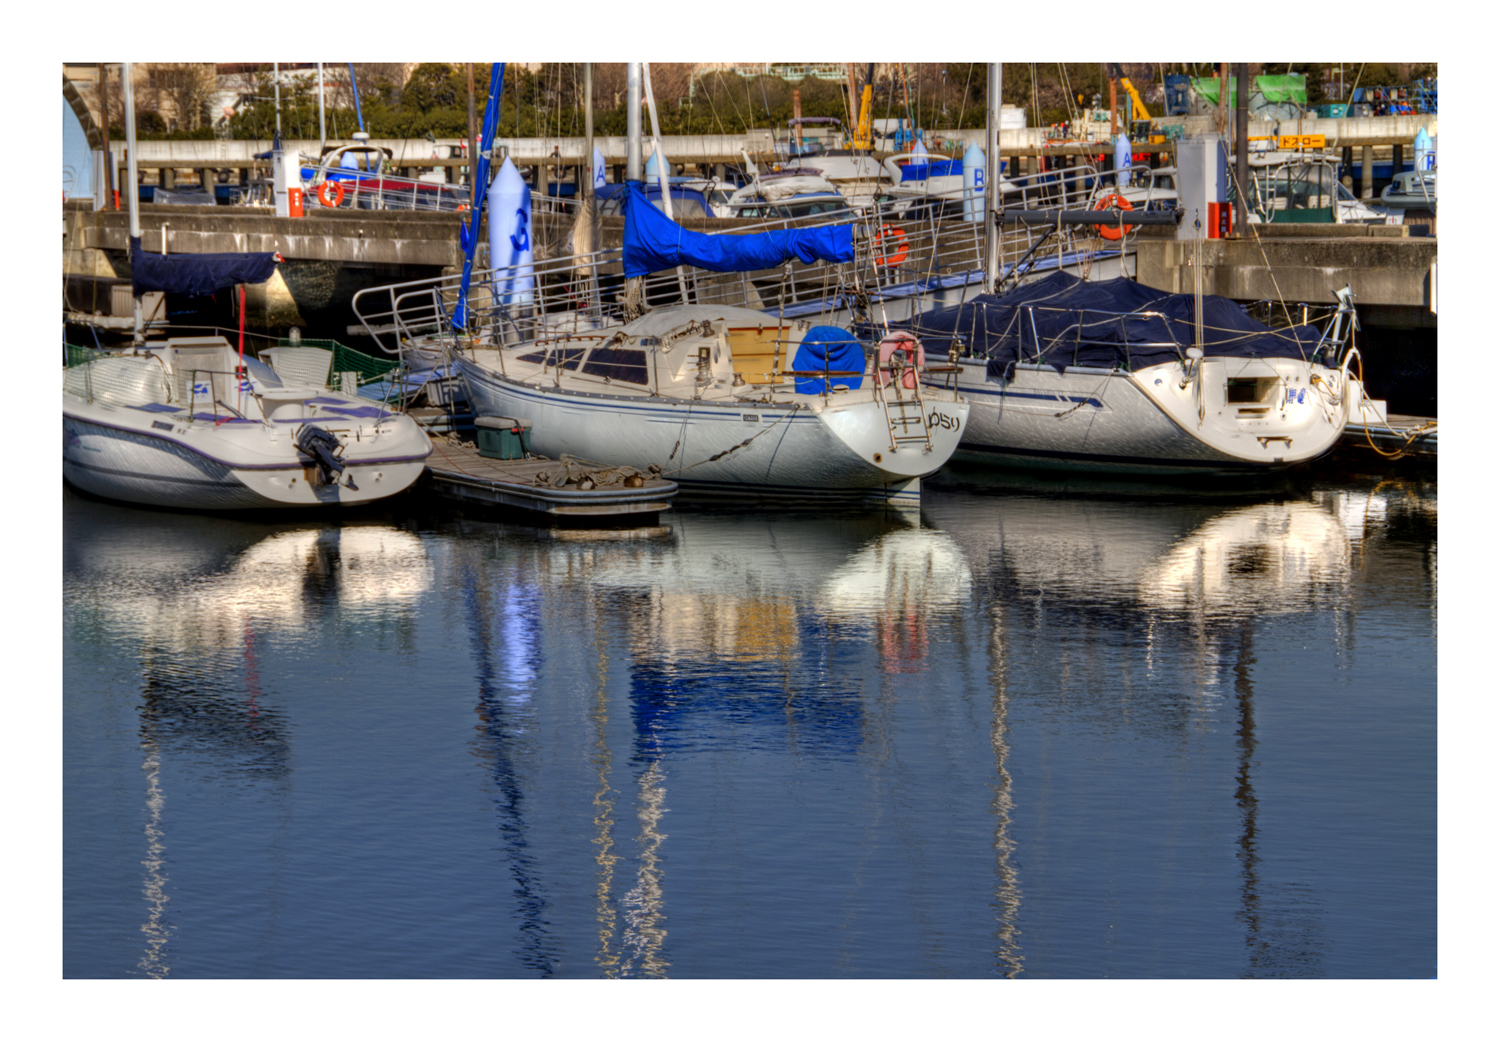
(602, 760)
(500, 726)
(1007, 880)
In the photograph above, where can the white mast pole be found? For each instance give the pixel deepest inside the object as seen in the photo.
(633, 121)
(992, 178)
(322, 132)
(134, 192)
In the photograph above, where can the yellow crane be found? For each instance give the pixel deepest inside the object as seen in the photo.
(1138, 107)
(1138, 111)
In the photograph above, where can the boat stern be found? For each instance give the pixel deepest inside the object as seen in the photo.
(1270, 412)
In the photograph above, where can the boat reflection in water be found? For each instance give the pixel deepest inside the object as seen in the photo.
(1192, 577)
(195, 600)
(744, 638)
(1046, 728)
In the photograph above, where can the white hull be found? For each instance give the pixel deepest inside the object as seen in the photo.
(839, 449)
(1144, 422)
(154, 453)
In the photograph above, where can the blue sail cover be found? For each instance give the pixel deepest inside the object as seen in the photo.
(655, 242)
(833, 350)
(195, 274)
(1116, 323)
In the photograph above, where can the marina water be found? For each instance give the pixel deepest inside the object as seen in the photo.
(1048, 729)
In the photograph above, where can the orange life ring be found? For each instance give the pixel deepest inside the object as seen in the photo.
(890, 259)
(904, 342)
(330, 194)
(1118, 202)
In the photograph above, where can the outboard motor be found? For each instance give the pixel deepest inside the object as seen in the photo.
(323, 448)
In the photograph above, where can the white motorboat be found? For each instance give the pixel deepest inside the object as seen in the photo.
(854, 173)
(1412, 190)
(1307, 190)
(178, 423)
(728, 401)
(1148, 189)
(1106, 376)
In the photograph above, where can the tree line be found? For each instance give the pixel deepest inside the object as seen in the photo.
(174, 100)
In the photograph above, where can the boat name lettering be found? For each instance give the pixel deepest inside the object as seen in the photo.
(943, 420)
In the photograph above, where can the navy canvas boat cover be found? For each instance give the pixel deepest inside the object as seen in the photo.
(195, 274)
(655, 242)
(1062, 320)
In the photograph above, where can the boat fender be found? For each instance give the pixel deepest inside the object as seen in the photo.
(1118, 202)
(910, 348)
(885, 256)
(331, 194)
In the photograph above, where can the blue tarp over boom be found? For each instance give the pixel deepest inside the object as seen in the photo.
(655, 242)
(195, 274)
(1062, 320)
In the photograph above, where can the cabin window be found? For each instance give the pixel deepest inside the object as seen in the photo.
(563, 357)
(621, 364)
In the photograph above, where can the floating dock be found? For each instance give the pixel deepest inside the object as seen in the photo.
(1415, 437)
(569, 494)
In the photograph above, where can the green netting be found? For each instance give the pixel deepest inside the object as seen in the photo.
(78, 355)
(348, 360)
(1275, 89)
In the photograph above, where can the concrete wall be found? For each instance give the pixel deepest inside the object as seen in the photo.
(357, 236)
(1384, 266)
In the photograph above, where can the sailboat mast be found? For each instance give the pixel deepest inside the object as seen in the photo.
(633, 286)
(322, 130)
(586, 189)
(132, 193)
(633, 121)
(992, 178)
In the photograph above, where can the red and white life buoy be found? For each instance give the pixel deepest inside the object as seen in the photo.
(914, 359)
(330, 193)
(1118, 202)
(890, 256)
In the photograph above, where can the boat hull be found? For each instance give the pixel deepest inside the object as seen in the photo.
(110, 453)
(836, 449)
(1111, 421)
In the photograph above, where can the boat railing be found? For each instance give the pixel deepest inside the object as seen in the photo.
(899, 258)
(1096, 328)
(372, 191)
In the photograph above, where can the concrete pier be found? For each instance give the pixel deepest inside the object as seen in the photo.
(705, 154)
(1388, 269)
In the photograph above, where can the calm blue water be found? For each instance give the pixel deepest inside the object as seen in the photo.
(1052, 730)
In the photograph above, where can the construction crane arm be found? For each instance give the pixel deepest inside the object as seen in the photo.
(1140, 111)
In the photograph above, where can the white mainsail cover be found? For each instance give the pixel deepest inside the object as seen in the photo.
(510, 235)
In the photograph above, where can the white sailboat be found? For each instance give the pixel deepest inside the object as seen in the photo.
(726, 400)
(1114, 377)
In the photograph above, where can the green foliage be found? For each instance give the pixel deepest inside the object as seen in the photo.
(936, 96)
